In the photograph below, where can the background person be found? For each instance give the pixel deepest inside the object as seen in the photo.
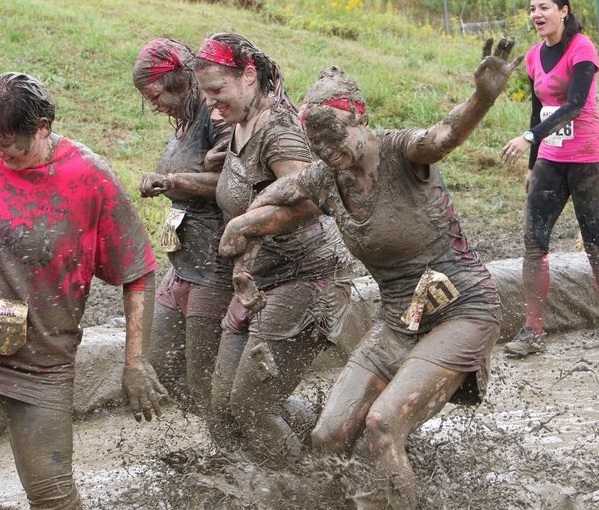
(303, 270)
(440, 309)
(564, 154)
(195, 292)
(64, 218)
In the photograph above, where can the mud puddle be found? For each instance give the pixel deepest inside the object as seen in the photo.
(533, 444)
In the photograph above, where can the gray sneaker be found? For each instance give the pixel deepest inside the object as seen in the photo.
(524, 343)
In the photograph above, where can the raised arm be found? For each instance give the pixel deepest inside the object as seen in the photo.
(490, 79)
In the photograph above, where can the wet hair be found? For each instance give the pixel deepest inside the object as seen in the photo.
(25, 105)
(245, 53)
(571, 24)
(332, 83)
(171, 63)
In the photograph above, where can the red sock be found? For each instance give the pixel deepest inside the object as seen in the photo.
(535, 274)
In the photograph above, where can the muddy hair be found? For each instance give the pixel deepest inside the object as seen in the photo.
(571, 24)
(178, 80)
(25, 105)
(333, 83)
(269, 73)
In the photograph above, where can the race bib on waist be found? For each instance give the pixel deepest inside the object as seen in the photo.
(13, 325)
(170, 240)
(433, 292)
(565, 133)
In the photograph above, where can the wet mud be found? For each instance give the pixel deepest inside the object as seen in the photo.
(533, 444)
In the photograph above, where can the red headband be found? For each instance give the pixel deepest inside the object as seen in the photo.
(218, 52)
(157, 58)
(345, 103)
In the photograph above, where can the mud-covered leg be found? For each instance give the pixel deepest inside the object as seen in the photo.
(221, 423)
(201, 347)
(269, 371)
(42, 444)
(166, 352)
(418, 391)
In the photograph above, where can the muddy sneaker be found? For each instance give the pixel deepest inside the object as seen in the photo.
(524, 343)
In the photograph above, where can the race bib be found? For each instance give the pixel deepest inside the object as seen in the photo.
(170, 240)
(566, 133)
(433, 292)
(13, 326)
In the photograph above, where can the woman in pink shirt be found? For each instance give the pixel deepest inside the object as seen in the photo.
(564, 154)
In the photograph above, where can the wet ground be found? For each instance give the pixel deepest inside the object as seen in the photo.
(532, 445)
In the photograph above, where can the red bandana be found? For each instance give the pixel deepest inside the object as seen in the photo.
(345, 103)
(218, 52)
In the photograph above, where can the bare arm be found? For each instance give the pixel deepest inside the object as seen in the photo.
(490, 78)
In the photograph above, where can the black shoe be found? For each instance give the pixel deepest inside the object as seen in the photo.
(525, 342)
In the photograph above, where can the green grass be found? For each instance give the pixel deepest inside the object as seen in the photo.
(411, 76)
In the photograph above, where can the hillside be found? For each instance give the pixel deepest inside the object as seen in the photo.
(412, 76)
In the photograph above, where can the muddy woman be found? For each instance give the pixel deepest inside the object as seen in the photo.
(194, 294)
(301, 272)
(64, 219)
(440, 309)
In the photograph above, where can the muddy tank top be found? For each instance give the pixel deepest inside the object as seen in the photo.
(199, 232)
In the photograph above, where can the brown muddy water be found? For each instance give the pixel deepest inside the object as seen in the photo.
(533, 444)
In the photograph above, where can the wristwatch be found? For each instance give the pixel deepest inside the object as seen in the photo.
(529, 136)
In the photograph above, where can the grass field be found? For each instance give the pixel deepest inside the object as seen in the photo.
(411, 75)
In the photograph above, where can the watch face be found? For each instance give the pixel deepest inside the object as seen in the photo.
(529, 137)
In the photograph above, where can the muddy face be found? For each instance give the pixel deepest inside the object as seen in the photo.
(232, 92)
(23, 151)
(330, 137)
(163, 101)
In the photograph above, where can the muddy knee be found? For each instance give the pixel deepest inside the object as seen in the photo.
(384, 429)
(330, 440)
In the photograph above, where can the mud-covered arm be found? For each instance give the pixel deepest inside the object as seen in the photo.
(490, 78)
(272, 212)
(202, 184)
(140, 383)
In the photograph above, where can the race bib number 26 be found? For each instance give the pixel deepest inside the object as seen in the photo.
(565, 133)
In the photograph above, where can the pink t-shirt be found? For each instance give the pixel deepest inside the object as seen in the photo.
(61, 224)
(578, 142)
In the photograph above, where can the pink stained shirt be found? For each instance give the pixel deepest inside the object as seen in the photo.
(61, 224)
(582, 146)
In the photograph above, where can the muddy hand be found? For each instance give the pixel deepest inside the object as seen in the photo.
(494, 70)
(143, 391)
(215, 157)
(247, 291)
(152, 185)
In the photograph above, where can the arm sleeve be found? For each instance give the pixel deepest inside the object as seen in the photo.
(218, 131)
(535, 119)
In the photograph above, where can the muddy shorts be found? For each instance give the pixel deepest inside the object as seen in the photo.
(462, 345)
(291, 308)
(192, 299)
